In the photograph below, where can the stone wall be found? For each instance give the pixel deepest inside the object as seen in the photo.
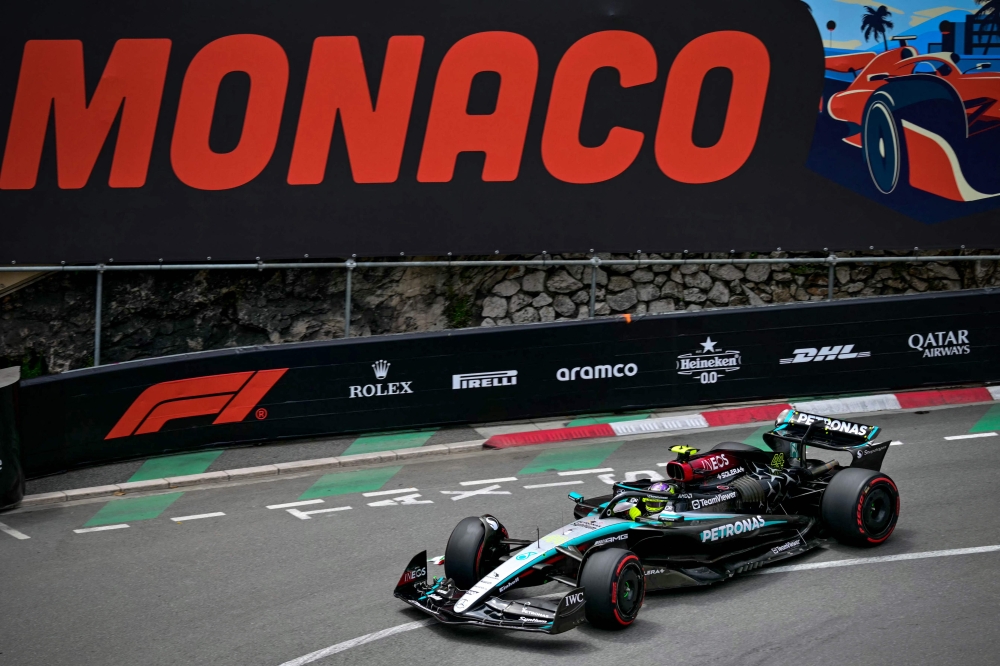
(48, 326)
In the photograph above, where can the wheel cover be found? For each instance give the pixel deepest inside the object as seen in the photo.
(877, 511)
(630, 591)
(882, 150)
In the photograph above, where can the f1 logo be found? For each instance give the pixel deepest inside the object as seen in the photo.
(230, 396)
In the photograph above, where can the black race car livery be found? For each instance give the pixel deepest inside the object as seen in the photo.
(722, 512)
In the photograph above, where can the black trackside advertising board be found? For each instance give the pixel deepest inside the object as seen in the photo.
(236, 129)
(187, 402)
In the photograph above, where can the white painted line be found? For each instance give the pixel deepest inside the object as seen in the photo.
(553, 485)
(389, 492)
(102, 528)
(7, 529)
(974, 436)
(291, 504)
(895, 443)
(486, 481)
(574, 472)
(410, 626)
(198, 517)
(994, 391)
(306, 515)
(488, 490)
(878, 560)
(355, 642)
(401, 501)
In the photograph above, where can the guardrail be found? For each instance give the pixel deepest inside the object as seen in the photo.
(832, 261)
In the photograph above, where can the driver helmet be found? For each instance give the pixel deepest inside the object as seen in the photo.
(656, 504)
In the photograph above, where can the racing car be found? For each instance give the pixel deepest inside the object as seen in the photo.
(722, 512)
(921, 120)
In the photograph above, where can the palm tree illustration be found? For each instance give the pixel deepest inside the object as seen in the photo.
(989, 16)
(875, 22)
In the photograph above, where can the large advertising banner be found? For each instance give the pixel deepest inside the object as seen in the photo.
(237, 129)
(207, 399)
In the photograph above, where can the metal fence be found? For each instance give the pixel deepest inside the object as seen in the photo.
(350, 265)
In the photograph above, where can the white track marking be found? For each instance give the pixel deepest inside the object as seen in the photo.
(379, 493)
(291, 504)
(198, 517)
(7, 529)
(306, 515)
(355, 642)
(974, 436)
(994, 391)
(895, 443)
(410, 626)
(402, 500)
(102, 528)
(553, 485)
(878, 560)
(488, 490)
(485, 481)
(574, 472)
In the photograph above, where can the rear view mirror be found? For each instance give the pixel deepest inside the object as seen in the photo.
(576, 497)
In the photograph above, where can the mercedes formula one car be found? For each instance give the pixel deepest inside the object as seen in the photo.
(722, 512)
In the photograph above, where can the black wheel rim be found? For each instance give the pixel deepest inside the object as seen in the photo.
(629, 594)
(881, 143)
(877, 511)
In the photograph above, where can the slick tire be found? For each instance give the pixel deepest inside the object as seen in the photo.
(884, 145)
(614, 588)
(463, 555)
(860, 507)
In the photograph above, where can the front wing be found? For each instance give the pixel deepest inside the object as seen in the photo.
(437, 598)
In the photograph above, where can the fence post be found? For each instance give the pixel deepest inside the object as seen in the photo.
(347, 299)
(97, 316)
(594, 263)
(831, 276)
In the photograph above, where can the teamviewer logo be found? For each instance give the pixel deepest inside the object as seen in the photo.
(381, 369)
(230, 396)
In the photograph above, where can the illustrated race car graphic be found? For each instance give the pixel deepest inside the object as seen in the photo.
(723, 512)
(921, 120)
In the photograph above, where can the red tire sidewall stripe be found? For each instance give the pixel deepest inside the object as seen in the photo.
(861, 502)
(614, 589)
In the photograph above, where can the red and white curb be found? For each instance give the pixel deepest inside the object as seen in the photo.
(746, 415)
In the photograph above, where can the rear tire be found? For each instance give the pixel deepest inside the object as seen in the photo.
(860, 507)
(614, 587)
(883, 145)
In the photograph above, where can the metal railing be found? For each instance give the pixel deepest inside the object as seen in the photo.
(351, 265)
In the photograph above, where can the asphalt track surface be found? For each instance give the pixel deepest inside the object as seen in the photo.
(262, 586)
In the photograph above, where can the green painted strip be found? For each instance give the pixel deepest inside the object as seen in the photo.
(757, 438)
(342, 483)
(558, 460)
(180, 465)
(989, 422)
(608, 418)
(389, 441)
(131, 510)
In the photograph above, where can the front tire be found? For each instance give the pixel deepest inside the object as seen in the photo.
(860, 507)
(614, 587)
(471, 553)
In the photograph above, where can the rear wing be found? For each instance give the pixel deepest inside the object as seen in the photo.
(821, 431)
